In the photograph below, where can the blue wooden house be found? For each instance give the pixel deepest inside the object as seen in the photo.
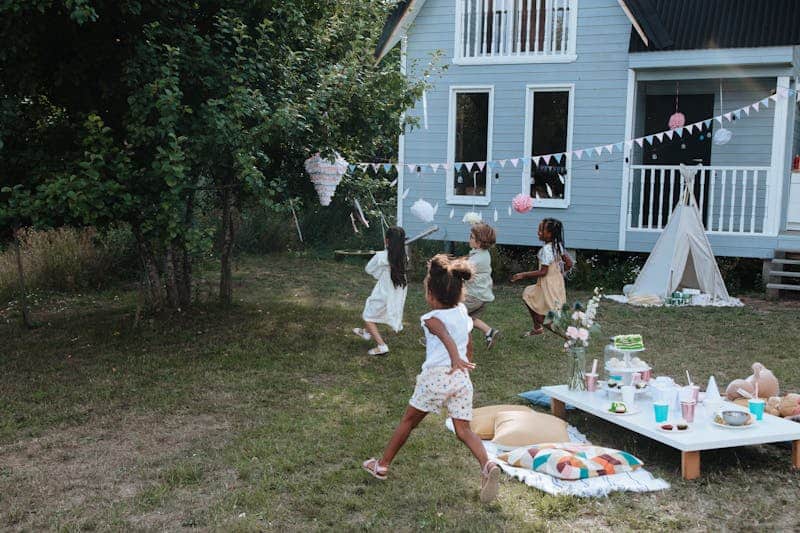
(531, 77)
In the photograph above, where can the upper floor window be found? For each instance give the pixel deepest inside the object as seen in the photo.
(511, 31)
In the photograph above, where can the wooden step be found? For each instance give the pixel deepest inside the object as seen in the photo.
(784, 274)
(783, 287)
(786, 261)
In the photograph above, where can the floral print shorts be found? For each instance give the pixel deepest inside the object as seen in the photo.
(436, 389)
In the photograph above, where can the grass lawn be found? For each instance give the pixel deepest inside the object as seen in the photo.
(258, 417)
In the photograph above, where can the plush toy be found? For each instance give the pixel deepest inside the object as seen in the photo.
(790, 405)
(767, 384)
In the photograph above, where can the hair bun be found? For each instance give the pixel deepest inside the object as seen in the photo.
(461, 269)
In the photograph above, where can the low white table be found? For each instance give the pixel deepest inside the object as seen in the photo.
(704, 435)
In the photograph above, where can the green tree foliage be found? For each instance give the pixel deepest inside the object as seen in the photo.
(150, 112)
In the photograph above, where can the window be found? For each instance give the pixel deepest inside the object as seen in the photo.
(469, 141)
(548, 125)
(515, 31)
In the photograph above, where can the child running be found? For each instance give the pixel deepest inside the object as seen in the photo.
(444, 380)
(549, 293)
(479, 288)
(385, 304)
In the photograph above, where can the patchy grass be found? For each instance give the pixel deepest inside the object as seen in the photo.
(257, 417)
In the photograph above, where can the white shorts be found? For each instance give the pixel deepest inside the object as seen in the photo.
(436, 389)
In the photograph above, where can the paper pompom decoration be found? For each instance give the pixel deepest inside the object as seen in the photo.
(325, 175)
(722, 136)
(522, 203)
(677, 120)
(471, 217)
(423, 210)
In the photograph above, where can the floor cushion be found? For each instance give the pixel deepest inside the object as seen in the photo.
(572, 461)
(482, 423)
(513, 429)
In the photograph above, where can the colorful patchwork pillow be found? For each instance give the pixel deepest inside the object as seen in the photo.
(572, 461)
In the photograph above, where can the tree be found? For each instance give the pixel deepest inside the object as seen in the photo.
(149, 112)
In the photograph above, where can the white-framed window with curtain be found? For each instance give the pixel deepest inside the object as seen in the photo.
(548, 130)
(469, 140)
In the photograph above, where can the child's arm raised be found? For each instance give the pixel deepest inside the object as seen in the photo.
(436, 327)
(527, 275)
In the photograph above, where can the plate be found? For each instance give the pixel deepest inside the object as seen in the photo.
(674, 429)
(618, 391)
(630, 411)
(726, 426)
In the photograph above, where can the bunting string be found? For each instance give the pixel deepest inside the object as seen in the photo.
(552, 162)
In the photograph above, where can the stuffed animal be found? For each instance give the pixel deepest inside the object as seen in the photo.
(767, 384)
(790, 405)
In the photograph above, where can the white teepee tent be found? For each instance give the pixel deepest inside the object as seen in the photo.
(682, 256)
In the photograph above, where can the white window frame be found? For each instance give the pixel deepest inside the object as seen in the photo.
(459, 199)
(530, 90)
(511, 59)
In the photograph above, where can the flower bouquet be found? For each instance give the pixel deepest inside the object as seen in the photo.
(577, 325)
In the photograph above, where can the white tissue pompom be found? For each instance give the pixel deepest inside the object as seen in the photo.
(423, 210)
(471, 217)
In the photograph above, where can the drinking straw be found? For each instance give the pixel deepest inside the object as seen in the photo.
(756, 394)
(594, 366)
(689, 378)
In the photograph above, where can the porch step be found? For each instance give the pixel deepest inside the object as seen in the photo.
(783, 287)
(786, 261)
(784, 274)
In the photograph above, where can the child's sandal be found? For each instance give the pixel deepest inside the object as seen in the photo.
(490, 482)
(364, 334)
(379, 350)
(375, 469)
(533, 332)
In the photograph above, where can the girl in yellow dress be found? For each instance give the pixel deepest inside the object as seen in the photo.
(549, 293)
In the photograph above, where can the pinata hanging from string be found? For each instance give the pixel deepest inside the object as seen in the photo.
(325, 175)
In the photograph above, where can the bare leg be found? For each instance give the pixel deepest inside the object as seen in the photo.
(536, 317)
(473, 442)
(410, 420)
(481, 325)
(373, 330)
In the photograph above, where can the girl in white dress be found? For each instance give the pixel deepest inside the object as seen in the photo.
(385, 304)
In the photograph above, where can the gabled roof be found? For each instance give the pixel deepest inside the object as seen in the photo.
(399, 20)
(707, 24)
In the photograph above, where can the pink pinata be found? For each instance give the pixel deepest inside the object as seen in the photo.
(677, 120)
(522, 203)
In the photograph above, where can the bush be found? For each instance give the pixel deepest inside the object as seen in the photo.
(263, 231)
(609, 270)
(68, 259)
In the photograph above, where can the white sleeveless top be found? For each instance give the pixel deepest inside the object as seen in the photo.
(458, 324)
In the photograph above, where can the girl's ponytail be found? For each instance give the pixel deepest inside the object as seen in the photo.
(396, 252)
(446, 278)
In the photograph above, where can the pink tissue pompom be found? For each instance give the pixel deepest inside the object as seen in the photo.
(677, 120)
(522, 203)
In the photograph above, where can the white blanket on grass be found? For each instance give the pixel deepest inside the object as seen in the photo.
(700, 300)
(638, 481)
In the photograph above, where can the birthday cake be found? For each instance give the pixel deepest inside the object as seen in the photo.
(628, 342)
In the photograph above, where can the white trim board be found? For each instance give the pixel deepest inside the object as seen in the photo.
(630, 118)
(530, 89)
(451, 198)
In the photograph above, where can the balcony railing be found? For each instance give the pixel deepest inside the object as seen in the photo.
(508, 31)
(731, 199)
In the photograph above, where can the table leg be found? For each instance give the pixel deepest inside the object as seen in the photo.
(690, 465)
(796, 454)
(558, 408)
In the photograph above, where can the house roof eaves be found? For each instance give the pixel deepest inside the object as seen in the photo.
(401, 17)
(647, 23)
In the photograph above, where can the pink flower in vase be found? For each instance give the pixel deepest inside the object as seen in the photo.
(572, 332)
(583, 334)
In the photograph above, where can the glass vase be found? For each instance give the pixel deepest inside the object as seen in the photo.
(577, 356)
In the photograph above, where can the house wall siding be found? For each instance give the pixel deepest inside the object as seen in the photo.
(599, 77)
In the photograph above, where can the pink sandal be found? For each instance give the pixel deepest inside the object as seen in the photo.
(375, 469)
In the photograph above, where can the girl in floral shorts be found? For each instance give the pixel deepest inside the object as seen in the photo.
(444, 380)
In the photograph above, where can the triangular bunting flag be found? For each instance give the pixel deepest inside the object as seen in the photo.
(649, 139)
(670, 134)
(503, 163)
(618, 146)
(764, 102)
(481, 165)
(387, 167)
(351, 168)
(690, 128)
(719, 119)
(515, 162)
(755, 106)
(639, 141)
(727, 116)
(446, 166)
(746, 110)
(660, 136)
(435, 167)
(375, 167)
(578, 153)
(774, 97)
(679, 132)
(536, 160)
(707, 123)
(410, 167)
(363, 166)
(598, 149)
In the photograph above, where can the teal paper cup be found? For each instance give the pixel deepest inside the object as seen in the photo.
(661, 411)
(757, 408)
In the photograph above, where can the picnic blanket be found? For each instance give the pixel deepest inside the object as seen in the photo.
(702, 300)
(638, 481)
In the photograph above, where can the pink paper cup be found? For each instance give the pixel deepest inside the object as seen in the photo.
(591, 381)
(647, 375)
(695, 393)
(687, 410)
